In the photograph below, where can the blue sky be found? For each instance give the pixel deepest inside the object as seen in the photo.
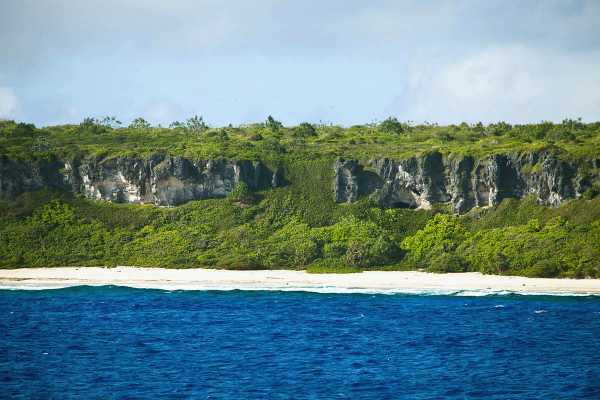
(345, 61)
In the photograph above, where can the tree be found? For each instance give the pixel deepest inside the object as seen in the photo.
(273, 124)
(109, 122)
(478, 127)
(177, 125)
(22, 130)
(196, 124)
(41, 144)
(572, 124)
(356, 254)
(90, 125)
(498, 129)
(391, 126)
(305, 129)
(87, 123)
(139, 123)
(97, 125)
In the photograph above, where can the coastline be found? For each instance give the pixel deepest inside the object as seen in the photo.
(468, 283)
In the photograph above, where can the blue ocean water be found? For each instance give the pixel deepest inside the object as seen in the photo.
(115, 343)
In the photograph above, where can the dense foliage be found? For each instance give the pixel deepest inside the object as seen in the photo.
(54, 229)
(299, 225)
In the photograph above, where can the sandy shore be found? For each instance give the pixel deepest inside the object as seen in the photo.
(366, 282)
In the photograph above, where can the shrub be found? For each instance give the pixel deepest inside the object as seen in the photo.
(290, 247)
(592, 192)
(442, 234)
(362, 243)
(447, 262)
(241, 193)
(331, 266)
(543, 269)
(238, 262)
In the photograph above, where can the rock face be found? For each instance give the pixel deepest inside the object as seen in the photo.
(18, 177)
(463, 181)
(345, 185)
(160, 180)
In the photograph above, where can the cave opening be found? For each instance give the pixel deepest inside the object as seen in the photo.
(403, 205)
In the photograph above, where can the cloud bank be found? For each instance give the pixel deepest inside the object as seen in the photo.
(345, 61)
(514, 83)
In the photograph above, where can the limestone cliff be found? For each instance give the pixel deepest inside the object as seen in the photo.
(160, 180)
(463, 181)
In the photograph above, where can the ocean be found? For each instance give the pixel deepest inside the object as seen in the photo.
(121, 343)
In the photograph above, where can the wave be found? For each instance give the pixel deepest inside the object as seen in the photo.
(310, 289)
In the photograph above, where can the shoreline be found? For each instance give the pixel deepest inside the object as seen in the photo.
(410, 282)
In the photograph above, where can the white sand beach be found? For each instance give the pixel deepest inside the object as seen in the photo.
(365, 282)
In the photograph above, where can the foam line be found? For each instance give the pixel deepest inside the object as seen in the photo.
(310, 289)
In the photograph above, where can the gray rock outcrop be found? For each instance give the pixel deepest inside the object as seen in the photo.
(159, 180)
(463, 181)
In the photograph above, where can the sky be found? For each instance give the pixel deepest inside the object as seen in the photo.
(332, 61)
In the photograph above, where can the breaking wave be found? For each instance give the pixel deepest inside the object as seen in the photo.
(312, 289)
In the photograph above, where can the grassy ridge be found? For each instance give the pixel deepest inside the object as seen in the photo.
(271, 141)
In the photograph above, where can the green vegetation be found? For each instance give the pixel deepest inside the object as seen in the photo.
(560, 242)
(55, 229)
(331, 267)
(271, 140)
(299, 226)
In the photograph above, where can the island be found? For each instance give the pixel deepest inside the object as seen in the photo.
(514, 200)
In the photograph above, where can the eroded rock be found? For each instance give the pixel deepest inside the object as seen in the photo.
(463, 181)
(160, 180)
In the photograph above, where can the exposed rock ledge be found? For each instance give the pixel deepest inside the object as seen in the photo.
(463, 181)
(160, 180)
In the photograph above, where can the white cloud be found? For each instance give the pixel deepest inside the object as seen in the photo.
(163, 112)
(509, 83)
(9, 103)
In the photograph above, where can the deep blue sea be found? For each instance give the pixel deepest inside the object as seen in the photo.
(117, 343)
